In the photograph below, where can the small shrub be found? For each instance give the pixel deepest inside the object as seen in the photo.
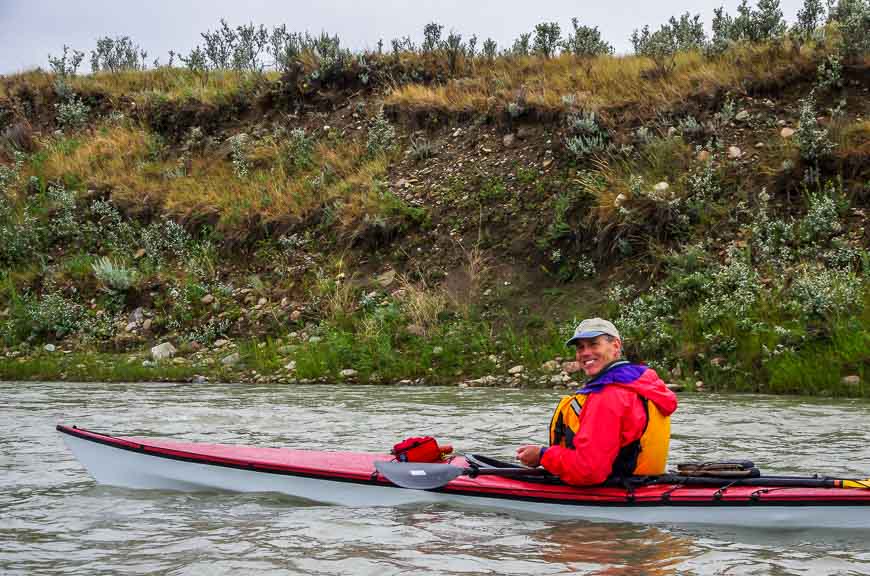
(703, 182)
(585, 267)
(213, 329)
(114, 233)
(522, 45)
(822, 221)
(117, 54)
(67, 64)
(727, 113)
(239, 149)
(809, 17)
(113, 275)
(689, 127)
(166, 238)
(382, 135)
(582, 146)
(72, 113)
(515, 109)
(63, 222)
(421, 149)
(21, 234)
(453, 48)
(770, 238)
(490, 49)
(10, 176)
(820, 292)
(812, 139)
(432, 36)
(588, 136)
(732, 291)
(853, 18)
(547, 38)
(585, 41)
(53, 313)
(830, 73)
(660, 46)
(300, 147)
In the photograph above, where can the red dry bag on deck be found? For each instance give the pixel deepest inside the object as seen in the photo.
(420, 449)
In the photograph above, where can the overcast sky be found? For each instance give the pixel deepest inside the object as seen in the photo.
(32, 29)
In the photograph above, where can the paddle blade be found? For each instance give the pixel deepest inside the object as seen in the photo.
(418, 476)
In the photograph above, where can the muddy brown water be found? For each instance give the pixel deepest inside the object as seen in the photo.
(54, 519)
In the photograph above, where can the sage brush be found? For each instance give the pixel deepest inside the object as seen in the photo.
(115, 276)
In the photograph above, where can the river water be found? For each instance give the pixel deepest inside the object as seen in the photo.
(55, 520)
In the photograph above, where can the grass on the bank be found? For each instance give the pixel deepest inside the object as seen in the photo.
(163, 82)
(461, 352)
(611, 81)
(339, 174)
(91, 367)
(818, 369)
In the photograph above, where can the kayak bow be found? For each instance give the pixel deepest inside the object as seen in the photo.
(364, 479)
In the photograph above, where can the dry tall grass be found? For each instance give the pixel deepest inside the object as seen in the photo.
(611, 81)
(170, 83)
(341, 176)
(421, 303)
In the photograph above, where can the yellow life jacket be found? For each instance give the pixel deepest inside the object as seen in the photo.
(646, 456)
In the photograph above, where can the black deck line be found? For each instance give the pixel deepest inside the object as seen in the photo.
(71, 430)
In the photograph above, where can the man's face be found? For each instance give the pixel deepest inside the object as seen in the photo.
(593, 354)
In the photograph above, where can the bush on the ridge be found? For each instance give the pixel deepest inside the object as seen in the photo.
(853, 19)
(750, 25)
(809, 18)
(585, 42)
(547, 38)
(687, 33)
(117, 54)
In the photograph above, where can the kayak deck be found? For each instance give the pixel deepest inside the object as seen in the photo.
(350, 478)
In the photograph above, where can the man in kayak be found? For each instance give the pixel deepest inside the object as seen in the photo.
(616, 425)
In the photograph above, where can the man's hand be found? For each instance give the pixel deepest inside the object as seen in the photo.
(529, 455)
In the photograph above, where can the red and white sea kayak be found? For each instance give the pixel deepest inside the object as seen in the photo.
(350, 479)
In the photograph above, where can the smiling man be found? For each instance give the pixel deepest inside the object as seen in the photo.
(617, 425)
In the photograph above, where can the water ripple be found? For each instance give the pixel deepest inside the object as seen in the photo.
(55, 520)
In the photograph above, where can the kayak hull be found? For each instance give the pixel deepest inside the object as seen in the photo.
(349, 479)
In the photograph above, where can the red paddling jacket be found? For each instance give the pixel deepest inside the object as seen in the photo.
(617, 425)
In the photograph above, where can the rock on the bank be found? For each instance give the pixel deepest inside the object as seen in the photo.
(550, 366)
(231, 360)
(163, 351)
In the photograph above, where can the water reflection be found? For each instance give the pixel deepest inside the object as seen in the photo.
(613, 549)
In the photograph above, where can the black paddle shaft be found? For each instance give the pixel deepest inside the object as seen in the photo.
(426, 476)
(429, 476)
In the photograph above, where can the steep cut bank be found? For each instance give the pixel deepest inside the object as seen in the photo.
(441, 230)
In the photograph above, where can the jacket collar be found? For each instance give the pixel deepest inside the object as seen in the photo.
(606, 376)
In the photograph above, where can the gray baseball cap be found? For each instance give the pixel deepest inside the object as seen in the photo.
(592, 327)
